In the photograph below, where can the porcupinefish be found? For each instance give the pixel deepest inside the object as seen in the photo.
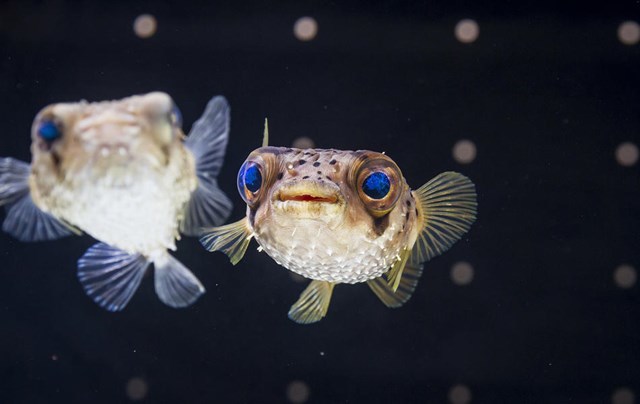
(337, 216)
(123, 172)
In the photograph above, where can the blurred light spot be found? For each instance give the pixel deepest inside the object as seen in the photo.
(460, 394)
(467, 31)
(629, 32)
(137, 388)
(297, 278)
(303, 143)
(627, 154)
(145, 25)
(462, 273)
(625, 276)
(298, 392)
(305, 28)
(623, 396)
(54, 357)
(464, 151)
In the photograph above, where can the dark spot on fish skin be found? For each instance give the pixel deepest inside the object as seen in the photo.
(329, 178)
(320, 178)
(307, 153)
(305, 177)
(280, 175)
(380, 224)
(408, 202)
(320, 172)
(301, 162)
(56, 158)
(332, 162)
(316, 164)
(289, 150)
(417, 215)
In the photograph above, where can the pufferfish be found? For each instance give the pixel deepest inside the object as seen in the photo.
(123, 172)
(337, 216)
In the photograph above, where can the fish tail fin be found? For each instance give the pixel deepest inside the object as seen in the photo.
(232, 239)
(207, 141)
(408, 281)
(313, 303)
(25, 221)
(111, 276)
(175, 284)
(447, 207)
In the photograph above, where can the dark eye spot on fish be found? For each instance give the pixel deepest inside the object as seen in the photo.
(332, 162)
(280, 175)
(380, 224)
(316, 164)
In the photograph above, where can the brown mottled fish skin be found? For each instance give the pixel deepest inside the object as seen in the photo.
(120, 171)
(338, 238)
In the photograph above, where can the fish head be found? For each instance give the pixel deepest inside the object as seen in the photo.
(108, 142)
(342, 191)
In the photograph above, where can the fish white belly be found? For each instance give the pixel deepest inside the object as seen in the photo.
(317, 252)
(143, 218)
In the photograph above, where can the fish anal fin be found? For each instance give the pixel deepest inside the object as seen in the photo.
(111, 276)
(313, 303)
(175, 285)
(447, 206)
(232, 239)
(408, 282)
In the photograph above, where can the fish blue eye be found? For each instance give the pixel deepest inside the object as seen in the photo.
(376, 185)
(252, 178)
(49, 131)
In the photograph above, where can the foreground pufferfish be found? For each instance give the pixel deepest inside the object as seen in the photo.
(122, 172)
(344, 217)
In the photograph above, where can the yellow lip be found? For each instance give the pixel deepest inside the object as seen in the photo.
(308, 191)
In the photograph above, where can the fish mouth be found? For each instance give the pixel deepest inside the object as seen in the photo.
(309, 192)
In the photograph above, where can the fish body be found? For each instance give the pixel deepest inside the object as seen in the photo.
(123, 172)
(312, 220)
(337, 216)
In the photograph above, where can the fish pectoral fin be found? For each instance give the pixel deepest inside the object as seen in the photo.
(232, 239)
(25, 221)
(175, 285)
(394, 276)
(313, 303)
(447, 208)
(408, 282)
(111, 276)
(207, 141)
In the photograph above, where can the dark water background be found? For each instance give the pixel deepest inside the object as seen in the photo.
(547, 93)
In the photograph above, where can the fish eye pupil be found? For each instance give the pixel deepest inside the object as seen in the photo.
(376, 185)
(252, 178)
(49, 131)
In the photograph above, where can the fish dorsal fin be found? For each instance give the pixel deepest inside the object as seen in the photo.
(175, 285)
(447, 209)
(232, 239)
(25, 221)
(207, 141)
(265, 136)
(313, 303)
(395, 273)
(408, 282)
(111, 276)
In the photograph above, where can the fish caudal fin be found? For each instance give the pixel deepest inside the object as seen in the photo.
(207, 141)
(313, 303)
(175, 285)
(232, 239)
(408, 281)
(25, 221)
(111, 276)
(447, 206)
